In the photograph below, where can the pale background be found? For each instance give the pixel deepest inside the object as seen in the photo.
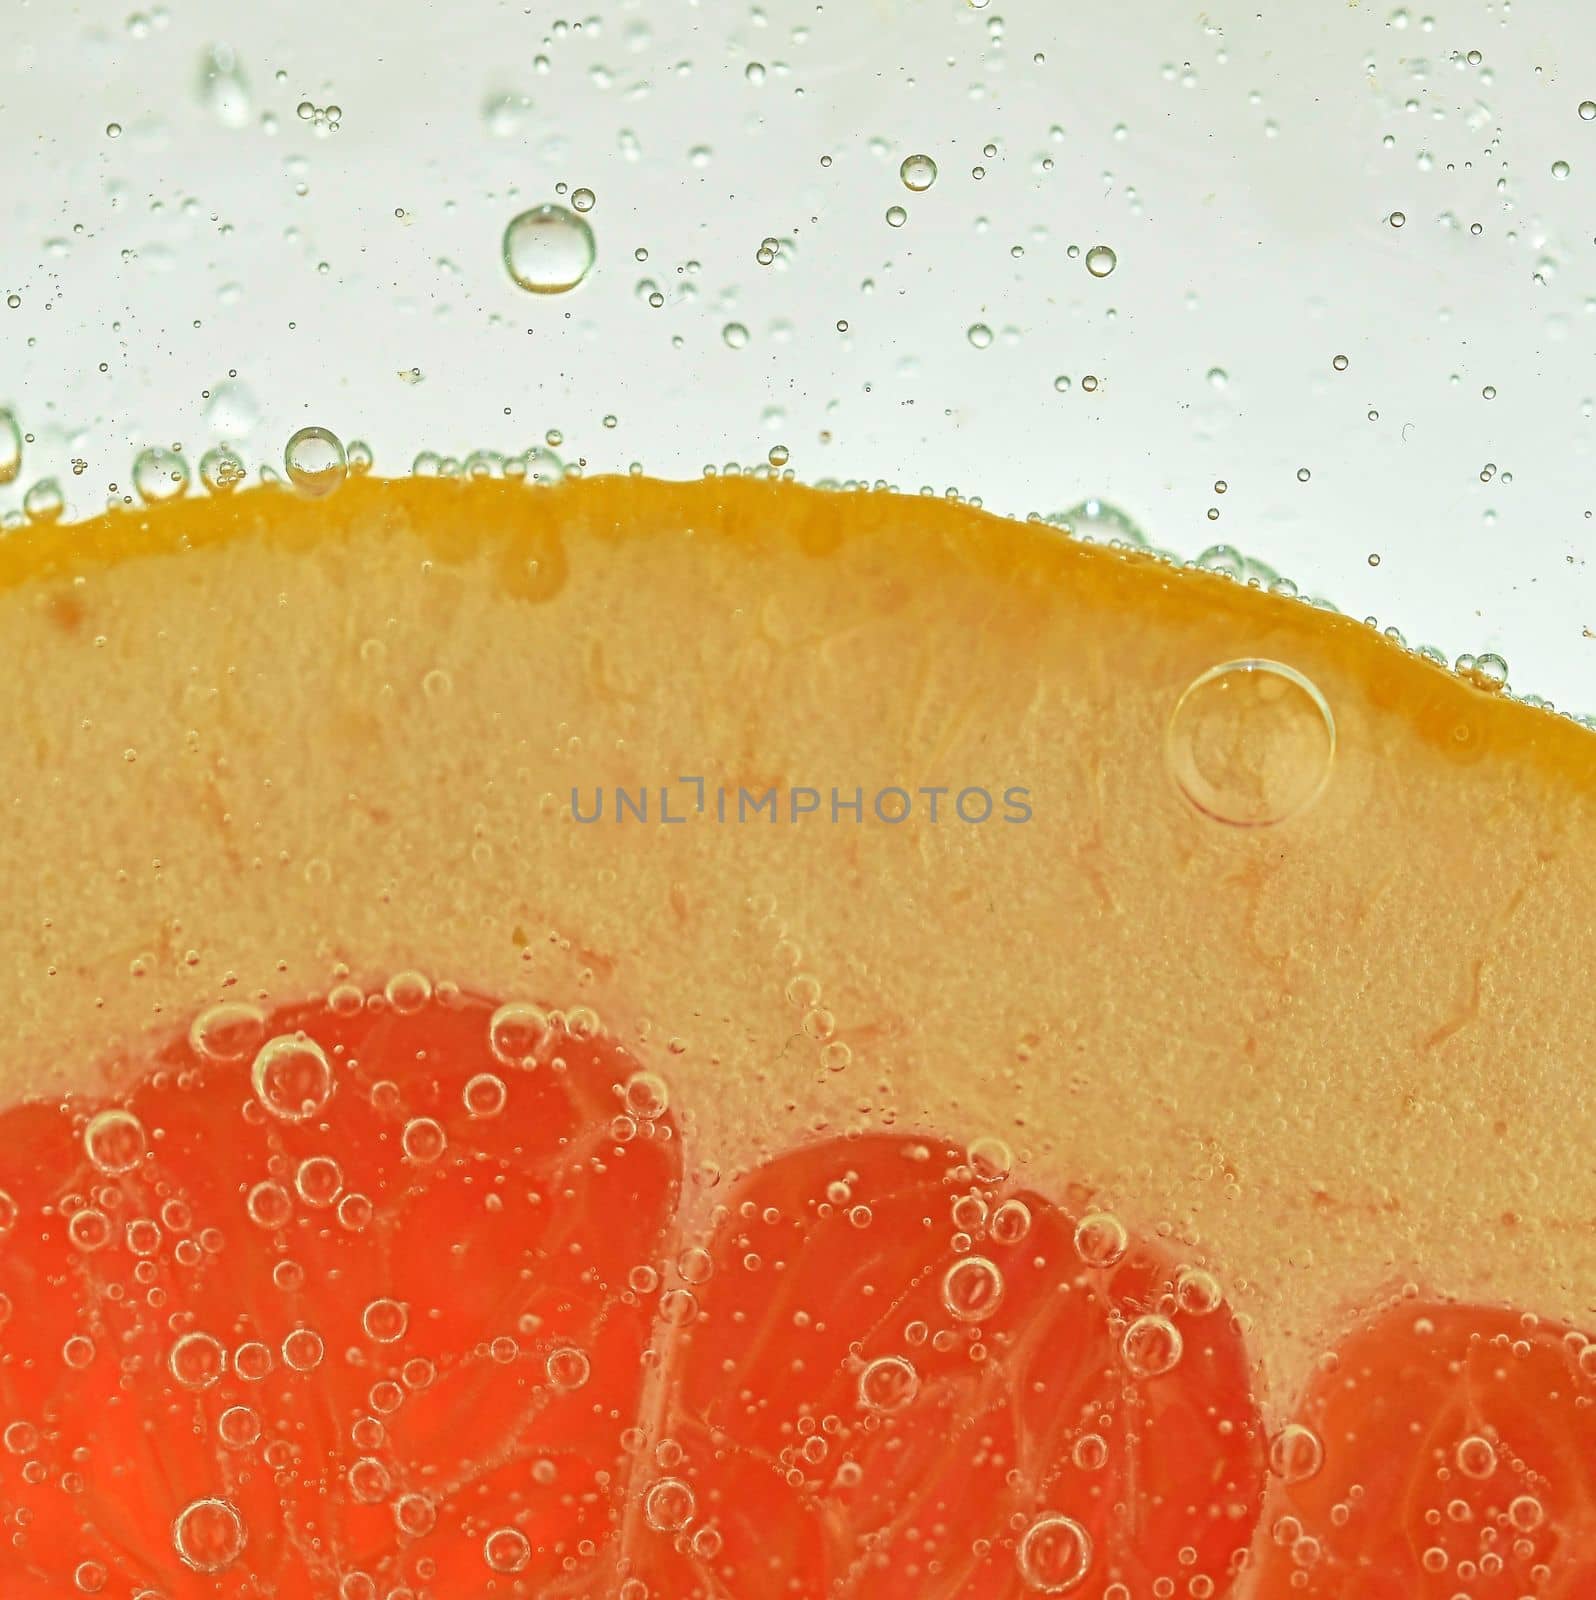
(1244, 167)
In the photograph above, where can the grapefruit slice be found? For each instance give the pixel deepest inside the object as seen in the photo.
(913, 1377)
(1266, 936)
(1442, 1450)
(326, 1304)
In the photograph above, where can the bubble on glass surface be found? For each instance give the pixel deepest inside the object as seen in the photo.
(292, 1077)
(1098, 520)
(315, 462)
(548, 250)
(896, 216)
(159, 474)
(1398, 219)
(1295, 1453)
(10, 447)
(887, 1384)
(505, 113)
(506, 1550)
(1101, 260)
(1151, 1346)
(1560, 170)
(223, 89)
(1218, 378)
(1101, 1239)
(918, 173)
(734, 335)
(221, 469)
(979, 334)
(44, 501)
(1054, 1554)
(114, 1140)
(583, 199)
(208, 1535)
(231, 411)
(972, 1288)
(1250, 743)
(113, 130)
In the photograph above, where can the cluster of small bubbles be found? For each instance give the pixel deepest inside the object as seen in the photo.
(10, 447)
(1151, 1346)
(506, 1550)
(669, 1505)
(1054, 1554)
(221, 469)
(322, 119)
(315, 462)
(548, 250)
(1101, 260)
(114, 1140)
(1101, 1239)
(888, 1384)
(972, 1288)
(208, 1535)
(159, 474)
(292, 1077)
(1295, 1453)
(918, 173)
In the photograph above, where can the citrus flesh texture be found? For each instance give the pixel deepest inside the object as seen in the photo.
(1124, 1200)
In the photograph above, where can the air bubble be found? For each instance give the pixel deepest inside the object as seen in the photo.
(221, 469)
(1476, 1456)
(292, 1077)
(1054, 1554)
(568, 1367)
(1250, 743)
(319, 1180)
(918, 173)
(303, 1350)
(991, 1160)
(1587, 111)
(1100, 1239)
(197, 1361)
(223, 90)
(208, 1535)
(888, 1384)
(1197, 1291)
(414, 1514)
(385, 1320)
(424, 1140)
(896, 216)
(1295, 1453)
(484, 1095)
(44, 502)
(506, 1550)
(516, 1033)
(972, 1288)
(548, 250)
(979, 334)
(315, 462)
(669, 1505)
(1152, 1346)
(114, 1141)
(647, 1095)
(1101, 260)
